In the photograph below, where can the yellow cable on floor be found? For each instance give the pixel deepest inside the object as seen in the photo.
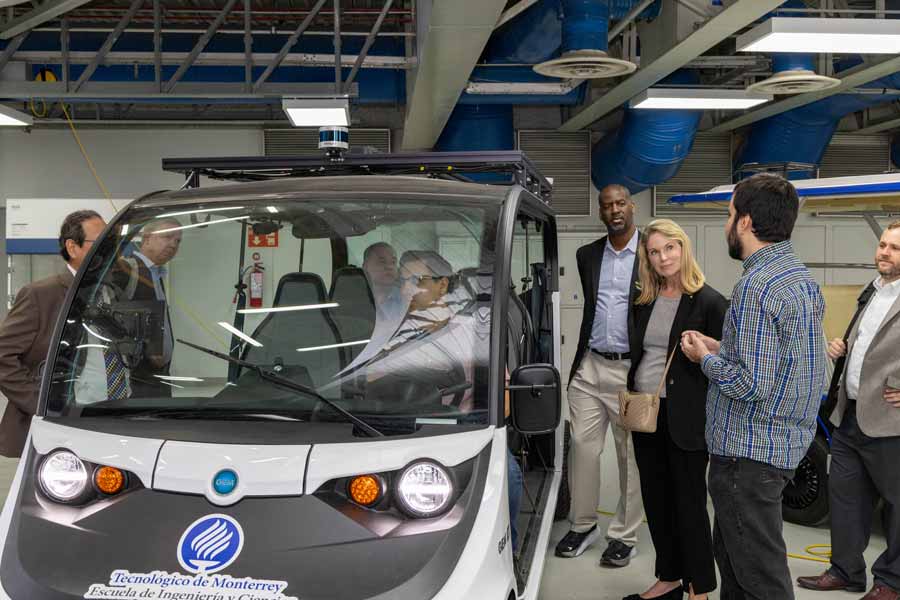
(814, 554)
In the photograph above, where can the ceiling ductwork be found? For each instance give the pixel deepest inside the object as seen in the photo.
(794, 74)
(585, 26)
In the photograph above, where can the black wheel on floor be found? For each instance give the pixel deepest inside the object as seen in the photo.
(563, 498)
(805, 500)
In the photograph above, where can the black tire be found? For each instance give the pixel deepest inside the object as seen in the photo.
(805, 500)
(564, 498)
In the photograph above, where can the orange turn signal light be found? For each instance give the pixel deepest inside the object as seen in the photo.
(366, 490)
(109, 480)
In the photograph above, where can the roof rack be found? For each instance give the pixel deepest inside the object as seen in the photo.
(445, 165)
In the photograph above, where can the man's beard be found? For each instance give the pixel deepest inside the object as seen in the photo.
(893, 272)
(735, 246)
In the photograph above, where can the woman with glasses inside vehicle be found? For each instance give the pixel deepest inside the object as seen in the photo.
(673, 460)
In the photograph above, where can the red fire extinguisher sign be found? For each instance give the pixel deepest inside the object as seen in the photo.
(261, 241)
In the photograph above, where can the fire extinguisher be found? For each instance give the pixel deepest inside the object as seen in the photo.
(256, 285)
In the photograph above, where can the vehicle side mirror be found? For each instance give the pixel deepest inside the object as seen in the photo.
(535, 398)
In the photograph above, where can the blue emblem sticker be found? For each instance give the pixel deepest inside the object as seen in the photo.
(210, 544)
(224, 482)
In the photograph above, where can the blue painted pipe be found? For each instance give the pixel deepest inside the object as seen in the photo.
(473, 127)
(650, 145)
(585, 25)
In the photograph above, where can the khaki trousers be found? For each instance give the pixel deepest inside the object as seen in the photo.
(593, 408)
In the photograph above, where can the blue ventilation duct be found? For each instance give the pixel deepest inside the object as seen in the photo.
(650, 145)
(802, 134)
(545, 31)
(472, 128)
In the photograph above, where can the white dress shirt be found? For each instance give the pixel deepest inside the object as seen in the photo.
(881, 302)
(609, 331)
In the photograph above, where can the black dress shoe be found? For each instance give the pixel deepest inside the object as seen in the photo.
(575, 543)
(675, 594)
(617, 554)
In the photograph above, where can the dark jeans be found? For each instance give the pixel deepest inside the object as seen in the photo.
(862, 470)
(673, 485)
(747, 535)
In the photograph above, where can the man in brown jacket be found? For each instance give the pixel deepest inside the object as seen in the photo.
(26, 332)
(866, 445)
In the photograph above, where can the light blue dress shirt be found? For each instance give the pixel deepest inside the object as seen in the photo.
(609, 332)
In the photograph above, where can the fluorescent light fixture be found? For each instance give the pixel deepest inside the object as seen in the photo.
(275, 309)
(331, 111)
(168, 229)
(816, 35)
(227, 327)
(697, 99)
(177, 378)
(271, 209)
(345, 344)
(13, 118)
(198, 211)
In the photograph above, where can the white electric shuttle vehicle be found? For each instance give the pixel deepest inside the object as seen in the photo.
(297, 387)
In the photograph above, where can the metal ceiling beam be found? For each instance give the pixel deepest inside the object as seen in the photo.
(879, 127)
(217, 59)
(850, 79)
(48, 11)
(290, 43)
(337, 47)
(200, 92)
(369, 41)
(515, 10)
(450, 42)
(738, 15)
(11, 48)
(111, 39)
(199, 46)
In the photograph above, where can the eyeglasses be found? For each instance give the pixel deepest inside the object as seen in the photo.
(417, 279)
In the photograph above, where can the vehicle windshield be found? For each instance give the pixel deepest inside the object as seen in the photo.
(378, 307)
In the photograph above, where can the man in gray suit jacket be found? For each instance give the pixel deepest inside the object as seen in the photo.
(26, 332)
(866, 445)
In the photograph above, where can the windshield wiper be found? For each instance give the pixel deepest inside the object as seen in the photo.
(215, 414)
(287, 383)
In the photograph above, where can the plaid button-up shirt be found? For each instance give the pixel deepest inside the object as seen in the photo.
(766, 382)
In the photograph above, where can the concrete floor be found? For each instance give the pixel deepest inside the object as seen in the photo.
(582, 579)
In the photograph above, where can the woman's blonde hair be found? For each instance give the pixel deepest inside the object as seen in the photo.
(692, 278)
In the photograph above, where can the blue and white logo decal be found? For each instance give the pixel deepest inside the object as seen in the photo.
(224, 482)
(210, 544)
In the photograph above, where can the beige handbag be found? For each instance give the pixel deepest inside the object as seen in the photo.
(638, 411)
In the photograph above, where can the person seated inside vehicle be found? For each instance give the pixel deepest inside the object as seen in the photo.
(430, 357)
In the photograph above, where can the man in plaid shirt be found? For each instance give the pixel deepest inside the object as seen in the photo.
(766, 380)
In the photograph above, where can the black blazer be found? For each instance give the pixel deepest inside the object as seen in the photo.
(590, 260)
(686, 384)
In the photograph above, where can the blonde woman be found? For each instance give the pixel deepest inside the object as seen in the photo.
(672, 462)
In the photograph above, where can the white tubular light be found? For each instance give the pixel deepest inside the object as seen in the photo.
(823, 35)
(697, 99)
(63, 476)
(424, 489)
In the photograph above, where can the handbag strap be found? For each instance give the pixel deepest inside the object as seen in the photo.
(662, 381)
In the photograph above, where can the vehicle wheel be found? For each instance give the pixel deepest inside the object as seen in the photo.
(805, 500)
(564, 499)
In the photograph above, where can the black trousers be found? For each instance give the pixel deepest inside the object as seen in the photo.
(748, 533)
(862, 470)
(673, 485)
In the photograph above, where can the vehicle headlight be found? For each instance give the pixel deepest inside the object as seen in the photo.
(63, 476)
(424, 489)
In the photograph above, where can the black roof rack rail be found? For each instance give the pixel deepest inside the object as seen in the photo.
(446, 165)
